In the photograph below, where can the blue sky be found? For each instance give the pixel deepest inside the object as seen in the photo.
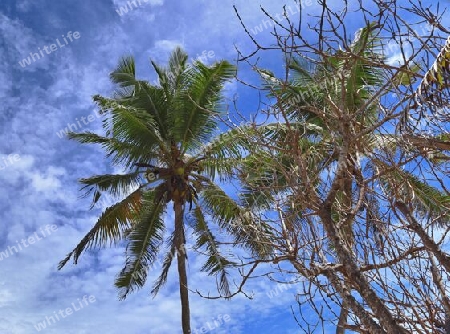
(39, 170)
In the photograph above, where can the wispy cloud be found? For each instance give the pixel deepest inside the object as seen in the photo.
(41, 189)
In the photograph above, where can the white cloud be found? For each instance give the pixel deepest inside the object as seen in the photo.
(41, 187)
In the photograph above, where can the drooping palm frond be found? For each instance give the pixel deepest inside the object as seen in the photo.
(437, 80)
(162, 279)
(216, 264)
(121, 153)
(229, 150)
(229, 144)
(303, 90)
(265, 173)
(240, 223)
(115, 184)
(257, 175)
(225, 151)
(110, 227)
(428, 143)
(428, 201)
(144, 241)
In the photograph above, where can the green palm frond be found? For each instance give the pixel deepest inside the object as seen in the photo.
(229, 149)
(122, 153)
(230, 144)
(197, 105)
(270, 82)
(177, 65)
(162, 279)
(366, 42)
(224, 152)
(171, 77)
(132, 126)
(122, 95)
(258, 181)
(239, 222)
(156, 103)
(302, 71)
(115, 184)
(303, 89)
(110, 227)
(360, 76)
(313, 84)
(264, 174)
(407, 75)
(163, 79)
(427, 200)
(144, 241)
(216, 263)
(242, 139)
(124, 74)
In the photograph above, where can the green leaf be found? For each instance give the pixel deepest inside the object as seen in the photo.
(216, 263)
(162, 279)
(124, 74)
(115, 184)
(407, 75)
(199, 102)
(427, 200)
(122, 153)
(240, 223)
(144, 241)
(110, 227)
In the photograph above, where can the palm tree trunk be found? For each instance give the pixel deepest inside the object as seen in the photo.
(181, 260)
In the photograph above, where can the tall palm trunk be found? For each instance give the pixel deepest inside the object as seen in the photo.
(181, 260)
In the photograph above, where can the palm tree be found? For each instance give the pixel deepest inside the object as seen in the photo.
(346, 80)
(161, 134)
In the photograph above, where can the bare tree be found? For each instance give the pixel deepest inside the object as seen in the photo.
(351, 168)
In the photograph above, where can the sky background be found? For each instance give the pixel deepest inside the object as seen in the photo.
(40, 186)
(39, 180)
